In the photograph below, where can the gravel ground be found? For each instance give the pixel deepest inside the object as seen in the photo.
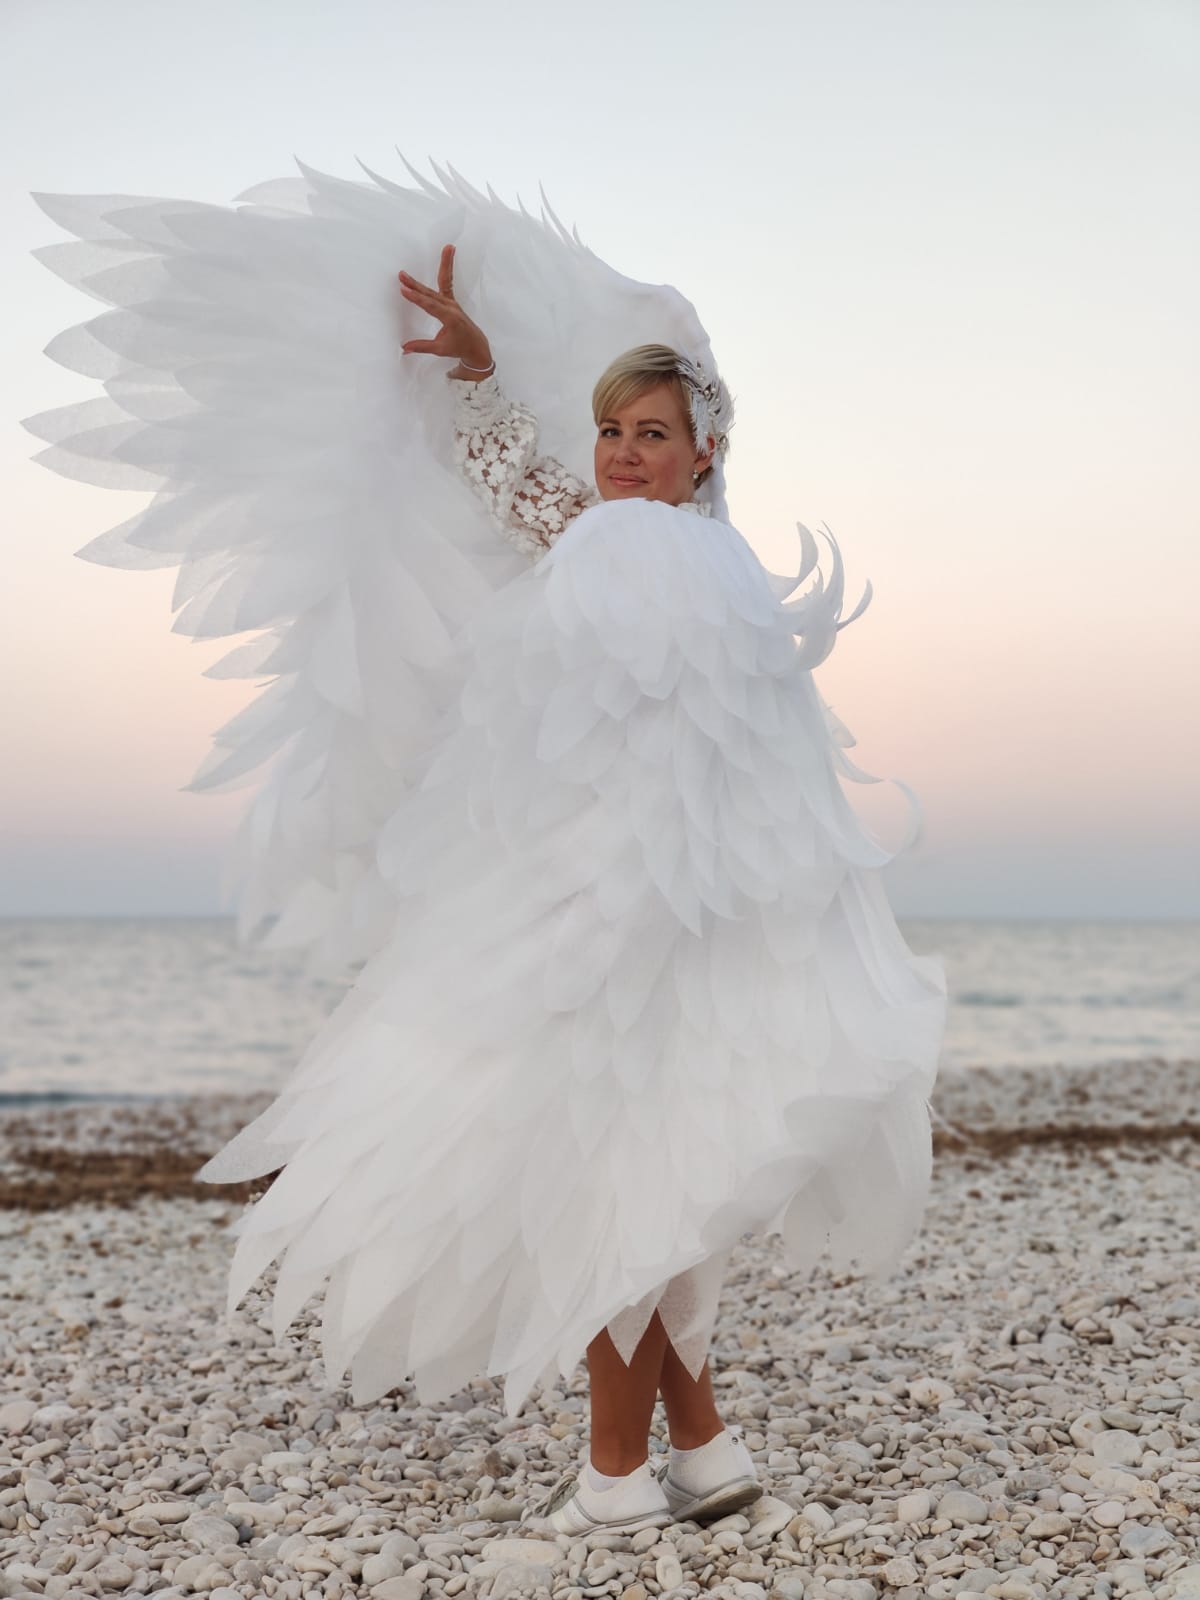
(1016, 1413)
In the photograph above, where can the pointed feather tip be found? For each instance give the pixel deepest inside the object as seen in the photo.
(314, 175)
(419, 178)
(476, 195)
(443, 177)
(49, 204)
(549, 212)
(377, 178)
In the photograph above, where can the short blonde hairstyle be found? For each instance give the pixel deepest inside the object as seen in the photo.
(631, 374)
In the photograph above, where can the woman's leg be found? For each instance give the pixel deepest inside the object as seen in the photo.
(692, 1417)
(623, 1399)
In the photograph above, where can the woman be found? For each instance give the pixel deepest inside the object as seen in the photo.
(632, 987)
(645, 449)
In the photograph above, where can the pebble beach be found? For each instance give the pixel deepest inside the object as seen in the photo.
(1015, 1413)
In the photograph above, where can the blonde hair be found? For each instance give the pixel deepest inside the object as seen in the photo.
(631, 374)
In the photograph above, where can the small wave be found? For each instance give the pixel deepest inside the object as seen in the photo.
(62, 1097)
(1145, 1000)
(1149, 999)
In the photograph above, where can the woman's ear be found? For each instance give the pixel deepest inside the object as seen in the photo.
(704, 458)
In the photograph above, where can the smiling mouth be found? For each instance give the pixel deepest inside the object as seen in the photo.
(615, 478)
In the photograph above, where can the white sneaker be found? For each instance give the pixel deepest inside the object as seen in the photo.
(714, 1481)
(636, 1501)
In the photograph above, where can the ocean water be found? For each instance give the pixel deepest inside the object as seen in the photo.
(149, 1007)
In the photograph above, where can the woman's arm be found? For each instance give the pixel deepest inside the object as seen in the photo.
(530, 498)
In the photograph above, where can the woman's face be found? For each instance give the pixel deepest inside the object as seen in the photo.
(645, 450)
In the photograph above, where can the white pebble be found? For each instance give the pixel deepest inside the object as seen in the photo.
(668, 1572)
(962, 1508)
(840, 1533)
(930, 1391)
(900, 1571)
(817, 1516)
(15, 1416)
(914, 1507)
(1109, 1513)
(379, 1568)
(112, 1573)
(1114, 1447)
(399, 1589)
(1048, 1525)
(1145, 1539)
(530, 1552)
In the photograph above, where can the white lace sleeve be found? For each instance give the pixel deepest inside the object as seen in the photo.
(530, 498)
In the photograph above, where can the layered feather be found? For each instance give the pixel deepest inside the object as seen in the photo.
(644, 992)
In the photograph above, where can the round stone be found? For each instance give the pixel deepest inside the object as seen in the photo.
(379, 1568)
(112, 1573)
(929, 1392)
(496, 1508)
(405, 1588)
(788, 1586)
(962, 1508)
(530, 1552)
(1109, 1513)
(817, 1517)
(1048, 1525)
(209, 1532)
(1143, 1540)
(914, 1507)
(668, 1572)
(1114, 1447)
(900, 1571)
(16, 1415)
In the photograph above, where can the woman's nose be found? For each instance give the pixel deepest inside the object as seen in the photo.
(627, 449)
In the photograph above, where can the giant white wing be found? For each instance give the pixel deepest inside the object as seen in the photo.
(302, 480)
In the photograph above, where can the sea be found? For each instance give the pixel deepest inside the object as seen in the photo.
(115, 1008)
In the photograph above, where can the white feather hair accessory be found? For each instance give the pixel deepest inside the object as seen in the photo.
(710, 401)
(711, 407)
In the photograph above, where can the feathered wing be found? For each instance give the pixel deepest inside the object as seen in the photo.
(302, 477)
(645, 994)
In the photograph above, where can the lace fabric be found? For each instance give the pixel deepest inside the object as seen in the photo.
(530, 498)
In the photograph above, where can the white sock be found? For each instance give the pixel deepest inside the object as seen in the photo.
(602, 1480)
(685, 1455)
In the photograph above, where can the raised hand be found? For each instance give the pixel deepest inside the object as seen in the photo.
(458, 336)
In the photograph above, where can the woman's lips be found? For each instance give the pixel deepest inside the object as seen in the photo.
(625, 482)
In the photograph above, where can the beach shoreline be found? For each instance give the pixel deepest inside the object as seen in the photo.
(1015, 1412)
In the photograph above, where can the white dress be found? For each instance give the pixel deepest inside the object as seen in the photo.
(532, 499)
(630, 986)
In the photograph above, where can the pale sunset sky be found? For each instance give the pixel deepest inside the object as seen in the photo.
(947, 252)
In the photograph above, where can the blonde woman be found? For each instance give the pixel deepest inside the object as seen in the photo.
(645, 449)
(627, 985)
